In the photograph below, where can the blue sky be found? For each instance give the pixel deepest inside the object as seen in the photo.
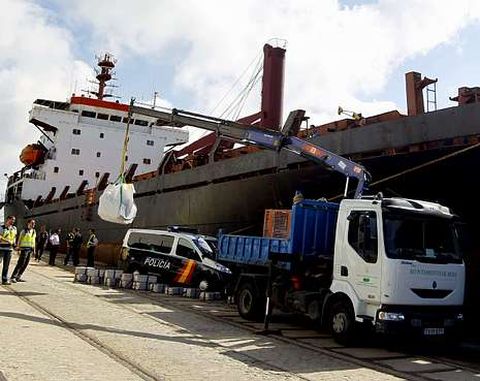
(349, 53)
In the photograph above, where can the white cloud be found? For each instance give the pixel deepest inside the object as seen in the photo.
(336, 54)
(35, 62)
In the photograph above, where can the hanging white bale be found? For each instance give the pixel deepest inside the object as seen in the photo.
(116, 203)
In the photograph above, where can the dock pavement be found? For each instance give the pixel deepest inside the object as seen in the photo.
(54, 329)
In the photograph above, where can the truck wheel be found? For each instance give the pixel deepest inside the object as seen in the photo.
(249, 305)
(342, 322)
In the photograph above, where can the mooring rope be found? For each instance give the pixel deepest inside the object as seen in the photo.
(416, 168)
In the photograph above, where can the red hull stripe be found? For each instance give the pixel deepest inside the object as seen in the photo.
(99, 103)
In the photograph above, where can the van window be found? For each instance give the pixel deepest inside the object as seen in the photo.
(138, 241)
(186, 249)
(154, 242)
(207, 247)
(161, 243)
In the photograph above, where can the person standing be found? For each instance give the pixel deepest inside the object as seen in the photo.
(42, 240)
(77, 245)
(8, 235)
(26, 245)
(92, 244)
(54, 241)
(70, 249)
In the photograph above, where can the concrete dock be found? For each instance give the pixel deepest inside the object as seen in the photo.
(54, 329)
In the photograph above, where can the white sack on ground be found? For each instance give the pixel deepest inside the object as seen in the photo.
(116, 204)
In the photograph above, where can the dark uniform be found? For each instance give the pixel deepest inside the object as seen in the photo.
(70, 239)
(42, 239)
(76, 246)
(91, 246)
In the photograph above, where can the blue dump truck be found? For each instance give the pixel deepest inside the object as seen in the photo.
(393, 264)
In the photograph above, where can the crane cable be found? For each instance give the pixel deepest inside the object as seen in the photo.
(428, 163)
(121, 175)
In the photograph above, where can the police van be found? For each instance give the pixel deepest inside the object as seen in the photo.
(178, 257)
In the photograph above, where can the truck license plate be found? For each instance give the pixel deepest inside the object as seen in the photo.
(433, 331)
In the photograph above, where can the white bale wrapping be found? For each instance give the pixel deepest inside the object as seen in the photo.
(118, 274)
(126, 277)
(109, 274)
(140, 286)
(116, 204)
(191, 292)
(152, 279)
(140, 278)
(174, 290)
(92, 272)
(80, 270)
(157, 287)
(94, 280)
(126, 283)
(82, 278)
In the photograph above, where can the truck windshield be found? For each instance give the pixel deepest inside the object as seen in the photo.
(207, 247)
(425, 239)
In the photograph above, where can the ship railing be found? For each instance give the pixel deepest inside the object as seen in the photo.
(52, 104)
(17, 176)
(37, 175)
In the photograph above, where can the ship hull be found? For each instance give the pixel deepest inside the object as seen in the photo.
(238, 204)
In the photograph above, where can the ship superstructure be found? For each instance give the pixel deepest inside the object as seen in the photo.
(81, 143)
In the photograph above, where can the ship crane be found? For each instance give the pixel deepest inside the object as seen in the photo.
(269, 139)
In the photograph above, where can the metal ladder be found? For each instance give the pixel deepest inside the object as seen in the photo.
(431, 91)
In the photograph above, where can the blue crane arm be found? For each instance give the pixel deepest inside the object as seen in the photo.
(270, 139)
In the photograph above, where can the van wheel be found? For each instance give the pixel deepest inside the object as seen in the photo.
(249, 305)
(204, 285)
(342, 322)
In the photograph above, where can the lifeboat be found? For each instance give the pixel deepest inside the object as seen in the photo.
(32, 154)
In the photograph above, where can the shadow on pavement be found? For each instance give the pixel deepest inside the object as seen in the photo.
(21, 293)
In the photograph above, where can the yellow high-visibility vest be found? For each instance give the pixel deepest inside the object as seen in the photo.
(27, 238)
(10, 234)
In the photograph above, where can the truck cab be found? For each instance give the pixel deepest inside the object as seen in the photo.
(398, 265)
(178, 257)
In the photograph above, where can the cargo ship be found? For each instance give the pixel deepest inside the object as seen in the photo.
(212, 184)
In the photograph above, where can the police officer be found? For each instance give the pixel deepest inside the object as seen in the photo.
(70, 247)
(26, 245)
(42, 240)
(92, 243)
(76, 246)
(8, 235)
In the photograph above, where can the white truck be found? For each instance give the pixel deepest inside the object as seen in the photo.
(392, 263)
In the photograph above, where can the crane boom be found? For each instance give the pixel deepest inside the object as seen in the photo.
(270, 139)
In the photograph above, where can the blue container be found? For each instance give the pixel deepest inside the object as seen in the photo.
(312, 234)
(312, 230)
(250, 250)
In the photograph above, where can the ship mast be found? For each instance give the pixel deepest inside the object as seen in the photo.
(104, 74)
